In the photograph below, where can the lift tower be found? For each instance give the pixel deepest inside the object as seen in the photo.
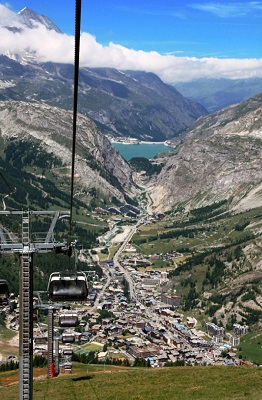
(26, 247)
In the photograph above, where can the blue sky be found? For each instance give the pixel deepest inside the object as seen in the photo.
(151, 32)
(188, 28)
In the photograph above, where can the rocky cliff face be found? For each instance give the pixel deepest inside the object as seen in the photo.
(98, 164)
(219, 158)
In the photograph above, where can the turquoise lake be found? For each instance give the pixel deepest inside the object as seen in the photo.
(129, 151)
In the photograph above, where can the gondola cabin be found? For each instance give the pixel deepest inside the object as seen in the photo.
(67, 320)
(4, 291)
(67, 287)
(68, 338)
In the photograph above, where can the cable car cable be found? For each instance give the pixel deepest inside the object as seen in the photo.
(76, 76)
(73, 287)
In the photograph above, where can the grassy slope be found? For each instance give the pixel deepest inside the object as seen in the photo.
(251, 346)
(114, 383)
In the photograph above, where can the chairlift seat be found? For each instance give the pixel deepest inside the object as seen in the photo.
(67, 287)
(68, 338)
(68, 352)
(67, 320)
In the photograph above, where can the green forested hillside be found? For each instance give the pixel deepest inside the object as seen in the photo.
(28, 181)
(214, 261)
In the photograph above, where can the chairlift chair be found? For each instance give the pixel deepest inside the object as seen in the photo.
(68, 338)
(67, 320)
(67, 286)
(68, 352)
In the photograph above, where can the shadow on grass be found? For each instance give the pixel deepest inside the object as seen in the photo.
(82, 378)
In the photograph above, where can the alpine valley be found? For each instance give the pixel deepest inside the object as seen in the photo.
(201, 203)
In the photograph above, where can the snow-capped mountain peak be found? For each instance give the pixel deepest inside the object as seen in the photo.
(32, 19)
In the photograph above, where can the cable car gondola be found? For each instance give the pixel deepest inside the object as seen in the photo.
(67, 320)
(67, 286)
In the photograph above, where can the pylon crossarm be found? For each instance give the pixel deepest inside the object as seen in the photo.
(26, 248)
(27, 245)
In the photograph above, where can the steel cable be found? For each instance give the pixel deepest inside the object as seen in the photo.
(76, 78)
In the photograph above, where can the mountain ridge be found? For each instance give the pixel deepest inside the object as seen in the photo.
(31, 19)
(213, 94)
(123, 103)
(219, 93)
(95, 156)
(218, 158)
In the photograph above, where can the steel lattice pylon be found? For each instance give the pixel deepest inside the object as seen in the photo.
(26, 248)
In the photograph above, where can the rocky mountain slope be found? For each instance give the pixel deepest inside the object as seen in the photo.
(123, 103)
(32, 19)
(218, 158)
(98, 164)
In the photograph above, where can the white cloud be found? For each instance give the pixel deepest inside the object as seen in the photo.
(51, 46)
(7, 16)
(229, 10)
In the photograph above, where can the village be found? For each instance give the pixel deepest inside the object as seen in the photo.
(127, 316)
(148, 328)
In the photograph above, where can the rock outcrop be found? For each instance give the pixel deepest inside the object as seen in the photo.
(97, 163)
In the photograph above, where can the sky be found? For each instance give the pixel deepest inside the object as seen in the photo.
(179, 40)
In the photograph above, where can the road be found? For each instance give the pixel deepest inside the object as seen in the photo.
(101, 292)
(150, 314)
(122, 269)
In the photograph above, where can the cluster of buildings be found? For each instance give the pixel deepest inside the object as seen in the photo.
(217, 333)
(127, 210)
(148, 282)
(146, 326)
(137, 329)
